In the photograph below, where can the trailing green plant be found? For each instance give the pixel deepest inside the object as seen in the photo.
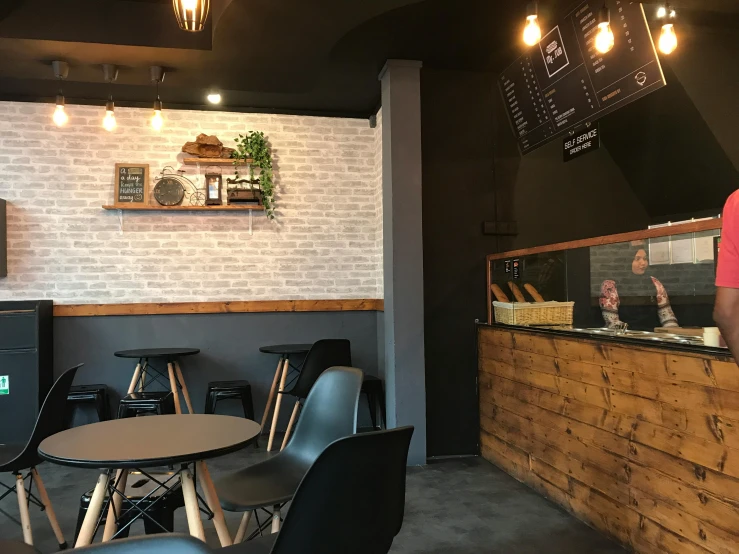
(254, 146)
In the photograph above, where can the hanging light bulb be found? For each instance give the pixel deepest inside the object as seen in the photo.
(157, 121)
(109, 122)
(667, 38)
(191, 14)
(604, 39)
(60, 116)
(532, 31)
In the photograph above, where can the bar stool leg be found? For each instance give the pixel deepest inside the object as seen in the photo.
(192, 509)
(181, 379)
(20, 490)
(211, 497)
(290, 425)
(136, 373)
(241, 533)
(271, 396)
(87, 531)
(111, 526)
(173, 388)
(276, 520)
(49, 509)
(275, 416)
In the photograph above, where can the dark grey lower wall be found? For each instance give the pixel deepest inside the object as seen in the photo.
(229, 345)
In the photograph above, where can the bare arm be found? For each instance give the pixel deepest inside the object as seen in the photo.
(726, 315)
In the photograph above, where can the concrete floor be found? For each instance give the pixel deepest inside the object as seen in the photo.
(453, 507)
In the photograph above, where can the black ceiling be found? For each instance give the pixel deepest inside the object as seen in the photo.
(304, 56)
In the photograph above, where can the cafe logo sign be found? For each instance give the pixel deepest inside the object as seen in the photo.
(581, 142)
(553, 52)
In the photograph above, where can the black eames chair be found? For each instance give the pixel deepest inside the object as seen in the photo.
(323, 354)
(17, 458)
(330, 413)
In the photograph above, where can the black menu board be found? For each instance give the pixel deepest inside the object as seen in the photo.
(564, 82)
(131, 184)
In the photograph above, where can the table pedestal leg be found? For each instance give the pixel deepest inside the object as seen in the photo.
(241, 533)
(194, 522)
(20, 489)
(136, 373)
(48, 508)
(211, 497)
(111, 526)
(291, 424)
(275, 416)
(272, 390)
(181, 379)
(93, 512)
(173, 388)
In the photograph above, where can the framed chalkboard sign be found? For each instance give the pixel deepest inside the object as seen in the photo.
(131, 184)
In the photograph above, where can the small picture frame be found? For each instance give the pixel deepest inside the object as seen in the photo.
(213, 185)
(131, 184)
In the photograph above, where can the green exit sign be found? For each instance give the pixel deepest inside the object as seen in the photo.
(4, 384)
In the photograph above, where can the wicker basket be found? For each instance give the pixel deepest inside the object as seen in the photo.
(534, 313)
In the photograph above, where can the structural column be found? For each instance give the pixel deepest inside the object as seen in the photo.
(403, 251)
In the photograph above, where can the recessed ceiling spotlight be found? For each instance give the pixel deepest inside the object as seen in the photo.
(214, 97)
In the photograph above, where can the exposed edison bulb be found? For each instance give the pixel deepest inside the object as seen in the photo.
(60, 116)
(532, 31)
(157, 121)
(604, 40)
(667, 39)
(109, 122)
(189, 4)
(662, 11)
(214, 98)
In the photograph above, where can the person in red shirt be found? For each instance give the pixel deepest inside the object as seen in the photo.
(726, 309)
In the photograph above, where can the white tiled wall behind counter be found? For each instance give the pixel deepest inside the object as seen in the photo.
(325, 242)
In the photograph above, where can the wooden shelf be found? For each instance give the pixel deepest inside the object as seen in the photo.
(213, 161)
(151, 208)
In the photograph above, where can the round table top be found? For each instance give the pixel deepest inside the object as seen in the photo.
(284, 349)
(157, 353)
(149, 441)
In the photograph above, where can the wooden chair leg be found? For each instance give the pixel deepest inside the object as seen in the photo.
(271, 396)
(87, 531)
(241, 533)
(181, 379)
(49, 509)
(276, 520)
(276, 415)
(20, 490)
(194, 522)
(142, 382)
(293, 417)
(173, 388)
(211, 497)
(111, 526)
(136, 373)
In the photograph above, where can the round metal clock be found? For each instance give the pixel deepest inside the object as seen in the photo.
(169, 191)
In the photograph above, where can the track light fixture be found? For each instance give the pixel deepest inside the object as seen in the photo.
(110, 73)
(157, 76)
(61, 71)
(532, 31)
(604, 39)
(191, 14)
(667, 39)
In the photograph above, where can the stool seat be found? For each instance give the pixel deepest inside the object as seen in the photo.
(239, 389)
(229, 385)
(82, 394)
(158, 402)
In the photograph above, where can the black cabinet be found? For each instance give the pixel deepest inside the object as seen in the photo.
(26, 366)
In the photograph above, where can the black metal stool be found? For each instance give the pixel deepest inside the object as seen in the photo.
(86, 394)
(136, 403)
(139, 487)
(224, 390)
(373, 387)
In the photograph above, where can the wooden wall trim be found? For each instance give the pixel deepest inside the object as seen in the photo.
(249, 306)
(692, 227)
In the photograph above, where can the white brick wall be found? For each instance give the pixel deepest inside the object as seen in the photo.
(63, 246)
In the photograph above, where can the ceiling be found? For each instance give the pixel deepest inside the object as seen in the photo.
(296, 56)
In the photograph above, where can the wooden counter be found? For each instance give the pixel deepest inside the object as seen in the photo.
(641, 443)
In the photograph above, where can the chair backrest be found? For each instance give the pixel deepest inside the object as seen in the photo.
(329, 413)
(352, 499)
(324, 354)
(158, 544)
(51, 417)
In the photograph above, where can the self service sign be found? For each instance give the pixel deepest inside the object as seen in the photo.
(581, 142)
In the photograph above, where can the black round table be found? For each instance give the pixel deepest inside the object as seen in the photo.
(283, 367)
(144, 367)
(145, 442)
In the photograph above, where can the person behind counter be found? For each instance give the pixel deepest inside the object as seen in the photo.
(636, 282)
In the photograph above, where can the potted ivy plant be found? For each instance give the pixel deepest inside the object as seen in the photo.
(252, 148)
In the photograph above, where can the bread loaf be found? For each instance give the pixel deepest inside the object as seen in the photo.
(534, 293)
(516, 292)
(500, 296)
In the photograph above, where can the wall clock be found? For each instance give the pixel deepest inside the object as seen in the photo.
(169, 191)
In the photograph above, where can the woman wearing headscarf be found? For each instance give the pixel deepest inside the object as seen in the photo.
(636, 282)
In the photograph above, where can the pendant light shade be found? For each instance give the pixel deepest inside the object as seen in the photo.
(191, 14)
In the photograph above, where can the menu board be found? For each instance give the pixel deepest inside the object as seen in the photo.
(131, 184)
(564, 82)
